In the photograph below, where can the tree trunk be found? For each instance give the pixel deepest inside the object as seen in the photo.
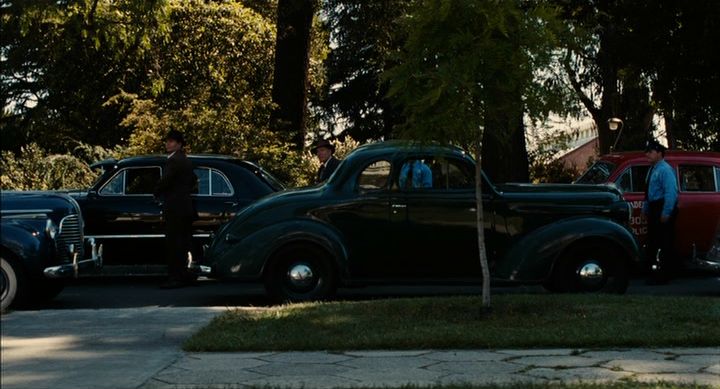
(481, 229)
(504, 150)
(292, 47)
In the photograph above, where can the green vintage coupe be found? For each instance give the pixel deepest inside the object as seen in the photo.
(397, 212)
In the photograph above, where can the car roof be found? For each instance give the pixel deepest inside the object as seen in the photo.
(671, 155)
(396, 145)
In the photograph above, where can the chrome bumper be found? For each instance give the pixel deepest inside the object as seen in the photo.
(708, 262)
(73, 269)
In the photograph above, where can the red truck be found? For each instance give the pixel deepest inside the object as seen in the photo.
(697, 230)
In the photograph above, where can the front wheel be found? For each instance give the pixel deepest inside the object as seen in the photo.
(590, 269)
(11, 279)
(300, 273)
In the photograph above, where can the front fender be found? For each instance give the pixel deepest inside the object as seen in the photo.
(246, 258)
(30, 246)
(532, 258)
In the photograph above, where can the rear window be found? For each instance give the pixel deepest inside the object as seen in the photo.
(599, 173)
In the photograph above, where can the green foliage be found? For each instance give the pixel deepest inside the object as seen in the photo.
(63, 60)
(366, 35)
(458, 54)
(36, 169)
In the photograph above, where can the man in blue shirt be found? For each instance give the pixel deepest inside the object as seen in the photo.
(415, 174)
(660, 208)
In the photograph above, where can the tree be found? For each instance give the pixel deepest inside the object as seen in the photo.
(366, 37)
(458, 55)
(62, 61)
(292, 48)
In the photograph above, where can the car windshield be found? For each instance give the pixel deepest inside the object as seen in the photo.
(599, 173)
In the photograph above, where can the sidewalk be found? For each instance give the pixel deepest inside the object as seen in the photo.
(140, 348)
(424, 368)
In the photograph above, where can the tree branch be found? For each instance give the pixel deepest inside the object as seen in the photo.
(572, 75)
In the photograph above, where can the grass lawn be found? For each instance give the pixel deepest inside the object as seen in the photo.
(517, 321)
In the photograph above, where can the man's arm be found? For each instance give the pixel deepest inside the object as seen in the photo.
(670, 190)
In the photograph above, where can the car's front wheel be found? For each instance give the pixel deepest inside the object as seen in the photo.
(591, 268)
(11, 279)
(300, 273)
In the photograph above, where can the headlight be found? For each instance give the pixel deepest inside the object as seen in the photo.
(51, 229)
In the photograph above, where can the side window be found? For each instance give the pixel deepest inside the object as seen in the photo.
(717, 179)
(417, 173)
(212, 183)
(459, 175)
(697, 179)
(203, 175)
(141, 181)
(115, 186)
(375, 176)
(220, 185)
(633, 179)
(436, 173)
(624, 183)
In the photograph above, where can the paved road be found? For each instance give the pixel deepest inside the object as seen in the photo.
(96, 293)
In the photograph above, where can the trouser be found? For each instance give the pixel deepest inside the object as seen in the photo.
(178, 242)
(661, 241)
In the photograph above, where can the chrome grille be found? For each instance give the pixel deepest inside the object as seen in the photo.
(70, 232)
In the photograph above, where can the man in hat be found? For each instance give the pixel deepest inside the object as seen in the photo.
(328, 163)
(660, 208)
(175, 188)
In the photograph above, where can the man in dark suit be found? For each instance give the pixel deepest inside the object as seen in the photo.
(328, 163)
(175, 189)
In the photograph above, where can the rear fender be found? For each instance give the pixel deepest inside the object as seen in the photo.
(532, 258)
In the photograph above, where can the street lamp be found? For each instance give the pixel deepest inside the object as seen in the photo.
(615, 124)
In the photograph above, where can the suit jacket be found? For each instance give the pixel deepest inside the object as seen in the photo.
(327, 170)
(177, 185)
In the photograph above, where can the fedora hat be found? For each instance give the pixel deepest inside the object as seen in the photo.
(323, 143)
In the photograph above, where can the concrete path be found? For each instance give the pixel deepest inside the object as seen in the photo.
(424, 368)
(140, 348)
(94, 348)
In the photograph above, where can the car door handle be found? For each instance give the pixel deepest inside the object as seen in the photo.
(232, 203)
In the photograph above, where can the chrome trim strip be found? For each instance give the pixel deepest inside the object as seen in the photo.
(25, 211)
(133, 236)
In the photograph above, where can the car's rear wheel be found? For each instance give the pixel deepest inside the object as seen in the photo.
(590, 268)
(300, 273)
(11, 282)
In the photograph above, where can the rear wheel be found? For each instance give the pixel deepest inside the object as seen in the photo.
(300, 273)
(11, 283)
(592, 268)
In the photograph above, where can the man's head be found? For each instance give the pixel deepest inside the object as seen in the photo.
(174, 141)
(654, 151)
(324, 150)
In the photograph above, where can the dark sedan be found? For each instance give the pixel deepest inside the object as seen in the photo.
(398, 212)
(121, 213)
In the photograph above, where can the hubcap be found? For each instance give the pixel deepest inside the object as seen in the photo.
(591, 274)
(301, 275)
